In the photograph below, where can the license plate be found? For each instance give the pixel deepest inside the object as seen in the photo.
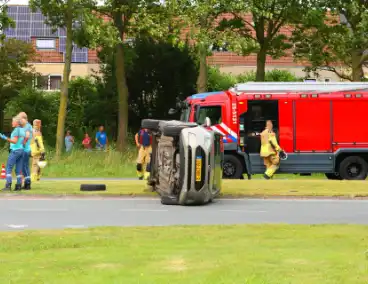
(198, 168)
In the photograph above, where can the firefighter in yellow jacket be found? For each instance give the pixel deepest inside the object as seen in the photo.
(270, 151)
(37, 150)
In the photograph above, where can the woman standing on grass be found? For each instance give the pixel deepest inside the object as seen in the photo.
(69, 141)
(16, 154)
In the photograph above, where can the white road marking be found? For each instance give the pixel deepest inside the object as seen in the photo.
(244, 211)
(41, 209)
(143, 210)
(17, 226)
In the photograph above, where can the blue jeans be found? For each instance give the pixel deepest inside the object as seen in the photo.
(25, 168)
(15, 158)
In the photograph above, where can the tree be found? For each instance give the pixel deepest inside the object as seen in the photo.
(66, 14)
(15, 72)
(129, 18)
(328, 43)
(5, 20)
(38, 104)
(200, 16)
(255, 27)
(169, 73)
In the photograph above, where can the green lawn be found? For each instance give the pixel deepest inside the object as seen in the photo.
(233, 188)
(272, 254)
(110, 164)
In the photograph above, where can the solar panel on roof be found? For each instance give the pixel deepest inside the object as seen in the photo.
(30, 24)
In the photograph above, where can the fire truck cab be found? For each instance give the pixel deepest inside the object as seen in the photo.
(322, 126)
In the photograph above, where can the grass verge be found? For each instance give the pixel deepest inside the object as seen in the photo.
(85, 164)
(231, 188)
(329, 254)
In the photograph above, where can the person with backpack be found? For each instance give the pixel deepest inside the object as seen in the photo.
(143, 140)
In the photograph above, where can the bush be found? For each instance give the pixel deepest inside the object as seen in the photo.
(38, 105)
(218, 81)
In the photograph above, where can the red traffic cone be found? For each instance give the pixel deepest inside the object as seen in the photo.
(3, 173)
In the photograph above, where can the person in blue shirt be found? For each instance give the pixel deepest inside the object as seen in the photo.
(101, 139)
(27, 149)
(69, 141)
(16, 154)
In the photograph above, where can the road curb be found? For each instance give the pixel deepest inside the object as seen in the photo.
(153, 196)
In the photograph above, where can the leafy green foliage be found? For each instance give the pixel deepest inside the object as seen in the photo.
(38, 105)
(223, 81)
(260, 33)
(15, 72)
(5, 20)
(328, 44)
(158, 73)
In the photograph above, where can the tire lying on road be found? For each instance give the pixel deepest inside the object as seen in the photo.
(93, 187)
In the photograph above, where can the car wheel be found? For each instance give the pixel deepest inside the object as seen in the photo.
(353, 168)
(151, 124)
(93, 187)
(232, 167)
(175, 130)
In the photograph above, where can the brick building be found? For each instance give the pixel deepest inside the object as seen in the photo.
(50, 47)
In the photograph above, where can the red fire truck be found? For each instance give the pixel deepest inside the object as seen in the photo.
(320, 125)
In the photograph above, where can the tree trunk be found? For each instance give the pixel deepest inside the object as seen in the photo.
(203, 73)
(65, 82)
(261, 65)
(122, 86)
(357, 68)
(2, 107)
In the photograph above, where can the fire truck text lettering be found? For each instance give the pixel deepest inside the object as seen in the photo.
(234, 113)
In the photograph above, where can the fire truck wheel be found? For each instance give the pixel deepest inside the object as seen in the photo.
(333, 176)
(353, 168)
(232, 167)
(151, 124)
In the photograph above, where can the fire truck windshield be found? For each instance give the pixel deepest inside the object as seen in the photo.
(185, 112)
(212, 112)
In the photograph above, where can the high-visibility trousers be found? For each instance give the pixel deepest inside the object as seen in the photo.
(143, 161)
(272, 163)
(36, 170)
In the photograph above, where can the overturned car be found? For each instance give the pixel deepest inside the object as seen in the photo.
(186, 162)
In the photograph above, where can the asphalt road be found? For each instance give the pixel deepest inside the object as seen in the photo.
(20, 214)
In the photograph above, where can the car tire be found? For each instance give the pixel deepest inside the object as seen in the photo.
(333, 176)
(175, 130)
(353, 168)
(232, 167)
(93, 187)
(151, 124)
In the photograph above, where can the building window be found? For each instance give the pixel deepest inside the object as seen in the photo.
(327, 80)
(55, 82)
(44, 43)
(48, 82)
